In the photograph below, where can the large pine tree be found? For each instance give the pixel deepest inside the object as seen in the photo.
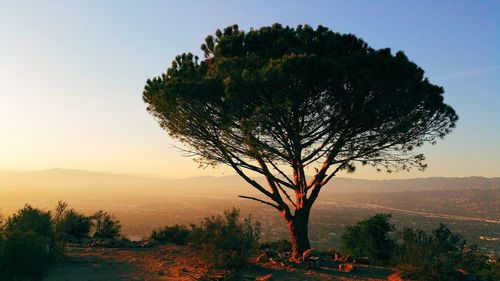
(280, 101)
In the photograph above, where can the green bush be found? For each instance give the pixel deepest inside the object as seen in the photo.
(440, 255)
(106, 226)
(25, 256)
(69, 224)
(477, 263)
(30, 219)
(75, 225)
(32, 239)
(28, 245)
(227, 242)
(177, 234)
(370, 238)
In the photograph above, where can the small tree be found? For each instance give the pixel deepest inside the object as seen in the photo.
(106, 227)
(435, 256)
(69, 224)
(76, 225)
(372, 238)
(287, 102)
(227, 242)
(60, 209)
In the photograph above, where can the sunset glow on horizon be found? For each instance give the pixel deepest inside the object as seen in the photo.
(72, 76)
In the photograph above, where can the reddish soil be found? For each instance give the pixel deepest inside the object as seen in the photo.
(179, 263)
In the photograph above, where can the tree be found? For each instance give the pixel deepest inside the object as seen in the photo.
(287, 102)
(435, 256)
(371, 238)
(76, 225)
(106, 226)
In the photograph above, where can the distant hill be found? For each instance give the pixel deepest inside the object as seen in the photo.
(345, 185)
(470, 195)
(74, 180)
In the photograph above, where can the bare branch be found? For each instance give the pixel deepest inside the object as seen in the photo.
(260, 200)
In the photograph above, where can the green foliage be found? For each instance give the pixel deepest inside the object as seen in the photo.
(69, 224)
(280, 246)
(25, 256)
(177, 234)
(279, 87)
(491, 272)
(27, 245)
(106, 226)
(30, 219)
(76, 225)
(60, 209)
(477, 263)
(370, 238)
(227, 242)
(439, 255)
(278, 97)
(32, 239)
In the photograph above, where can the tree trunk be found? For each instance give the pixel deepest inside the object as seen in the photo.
(299, 236)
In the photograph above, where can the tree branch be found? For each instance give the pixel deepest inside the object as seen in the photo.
(260, 200)
(286, 195)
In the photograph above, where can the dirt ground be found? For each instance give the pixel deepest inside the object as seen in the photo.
(179, 263)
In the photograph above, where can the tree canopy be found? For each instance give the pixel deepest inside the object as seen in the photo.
(280, 101)
(370, 238)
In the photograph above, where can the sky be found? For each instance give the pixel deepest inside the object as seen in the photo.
(72, 75)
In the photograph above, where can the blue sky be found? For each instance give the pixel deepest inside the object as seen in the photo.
(72, 73)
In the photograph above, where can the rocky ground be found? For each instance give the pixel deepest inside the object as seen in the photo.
(171, 262)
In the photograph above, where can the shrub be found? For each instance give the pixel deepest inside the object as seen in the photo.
(177, 234)
(75, 225)
(30, 219)
(106, 226)
(227, 242)
(477, 263)
(370, 238)
(436, 256)
(25, 256)
(28, 245)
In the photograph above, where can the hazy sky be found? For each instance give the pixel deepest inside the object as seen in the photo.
(72, 74)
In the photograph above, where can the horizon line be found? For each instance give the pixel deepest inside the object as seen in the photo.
(149, 176)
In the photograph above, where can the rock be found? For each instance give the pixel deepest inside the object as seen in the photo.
(346, 267)
(395, 277)
(264, 278)
(262, 258)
